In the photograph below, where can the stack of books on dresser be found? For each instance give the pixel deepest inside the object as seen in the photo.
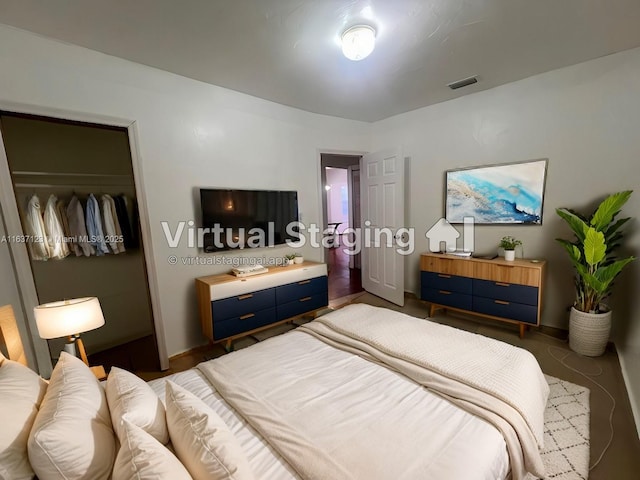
(248, 270)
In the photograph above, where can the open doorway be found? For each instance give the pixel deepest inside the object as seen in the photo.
(340, 175)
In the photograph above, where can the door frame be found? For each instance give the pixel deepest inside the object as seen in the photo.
(322, 193)
(37, 347)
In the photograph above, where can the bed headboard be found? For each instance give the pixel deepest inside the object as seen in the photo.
(10, 342)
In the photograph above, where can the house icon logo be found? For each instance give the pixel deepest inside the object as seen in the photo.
(442, 232)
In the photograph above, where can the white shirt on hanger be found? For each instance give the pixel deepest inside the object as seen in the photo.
(34, 228)
(112, 229)
(53, 227)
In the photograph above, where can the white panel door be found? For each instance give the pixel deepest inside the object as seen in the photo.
(382, 208)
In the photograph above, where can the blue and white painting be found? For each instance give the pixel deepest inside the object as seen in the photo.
(510, 193)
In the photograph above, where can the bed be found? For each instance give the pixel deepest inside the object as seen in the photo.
(362, 392)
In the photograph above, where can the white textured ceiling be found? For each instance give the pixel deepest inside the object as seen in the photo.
(287, 51)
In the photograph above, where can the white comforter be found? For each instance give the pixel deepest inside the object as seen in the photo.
(335, 415)
(370, 420)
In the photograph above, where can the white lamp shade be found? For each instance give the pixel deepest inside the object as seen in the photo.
(358, 42)
(68, 317)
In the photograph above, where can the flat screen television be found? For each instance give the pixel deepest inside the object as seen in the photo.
(247, 218)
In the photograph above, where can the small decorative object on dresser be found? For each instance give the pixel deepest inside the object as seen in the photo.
(496, 289)
(596, 267)
(298, 258)
(509, 244)
(289, 259)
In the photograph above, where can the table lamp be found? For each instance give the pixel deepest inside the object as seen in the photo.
(69, 318)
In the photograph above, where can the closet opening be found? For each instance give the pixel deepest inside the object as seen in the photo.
(75, 194)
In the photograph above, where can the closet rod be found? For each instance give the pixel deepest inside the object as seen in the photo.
(68, 186)
(59, 174)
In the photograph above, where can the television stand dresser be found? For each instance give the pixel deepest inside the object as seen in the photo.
(232, 307)
(495, 289)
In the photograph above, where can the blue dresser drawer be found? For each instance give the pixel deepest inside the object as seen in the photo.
(304, 288)
(244, 323)
(447, 297)
(302, 305)
(450, 283)
(242, 304)
(509, 292)
(504, 309)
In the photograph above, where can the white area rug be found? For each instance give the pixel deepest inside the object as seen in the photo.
(566, 436)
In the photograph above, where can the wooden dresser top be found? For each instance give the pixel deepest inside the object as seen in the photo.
(520, 262)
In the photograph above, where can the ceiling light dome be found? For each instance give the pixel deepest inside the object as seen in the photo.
(358, 42)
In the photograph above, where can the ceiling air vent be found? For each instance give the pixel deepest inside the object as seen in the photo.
(463, 83)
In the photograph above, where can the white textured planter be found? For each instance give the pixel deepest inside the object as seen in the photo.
(589, 332)
(509, 255)
(298, 260)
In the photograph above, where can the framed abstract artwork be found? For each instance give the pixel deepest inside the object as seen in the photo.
(510, 193)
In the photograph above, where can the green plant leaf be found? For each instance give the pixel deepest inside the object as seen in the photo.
(572, 250)
(594, 247)
(612, 230)
(607, 274)
(608, 209)
(577, 224)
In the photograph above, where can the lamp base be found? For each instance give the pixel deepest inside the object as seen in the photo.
(70, 348)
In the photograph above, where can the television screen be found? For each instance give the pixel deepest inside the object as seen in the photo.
(247, 218)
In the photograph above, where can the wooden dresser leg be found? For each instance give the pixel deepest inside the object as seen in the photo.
(523, 327)
(228, 347)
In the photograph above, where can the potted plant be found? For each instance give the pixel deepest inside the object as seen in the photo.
(298, 258)
(289, 258)
(592, 256)
(509, 244)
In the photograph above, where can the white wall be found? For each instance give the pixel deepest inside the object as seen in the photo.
(190, 135)
(585, 120)
(337, 180)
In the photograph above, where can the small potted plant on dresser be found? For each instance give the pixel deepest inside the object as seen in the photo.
(289, 259)
(509, 244)
(596, 266)
(298, 258)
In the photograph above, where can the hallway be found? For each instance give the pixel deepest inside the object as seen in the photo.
(343, 281)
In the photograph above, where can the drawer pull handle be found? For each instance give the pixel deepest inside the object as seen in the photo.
(442, 275)
(501, 302)
(444, 292)
(501, 284)
(248, 315)
(244, 297)
(305, 299)
(304, 282)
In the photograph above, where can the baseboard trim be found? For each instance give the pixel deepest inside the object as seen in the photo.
(633, 400)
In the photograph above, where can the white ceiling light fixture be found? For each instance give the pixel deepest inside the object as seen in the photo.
(358, 42)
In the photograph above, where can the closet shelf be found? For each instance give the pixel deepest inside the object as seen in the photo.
(70, 174)
(71, 185)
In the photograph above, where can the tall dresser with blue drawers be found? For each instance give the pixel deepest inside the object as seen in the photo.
(496, 289)
(232, 307)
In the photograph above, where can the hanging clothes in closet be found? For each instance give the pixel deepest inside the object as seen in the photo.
(78, 229)
(94, 226)
(53, 228)
(34, 228)
(62, 229)
(112, 228)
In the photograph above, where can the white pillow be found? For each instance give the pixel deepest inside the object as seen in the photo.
(203, 442)
(130, 398)
(21, 392)
(72, 436)
(142, 457)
